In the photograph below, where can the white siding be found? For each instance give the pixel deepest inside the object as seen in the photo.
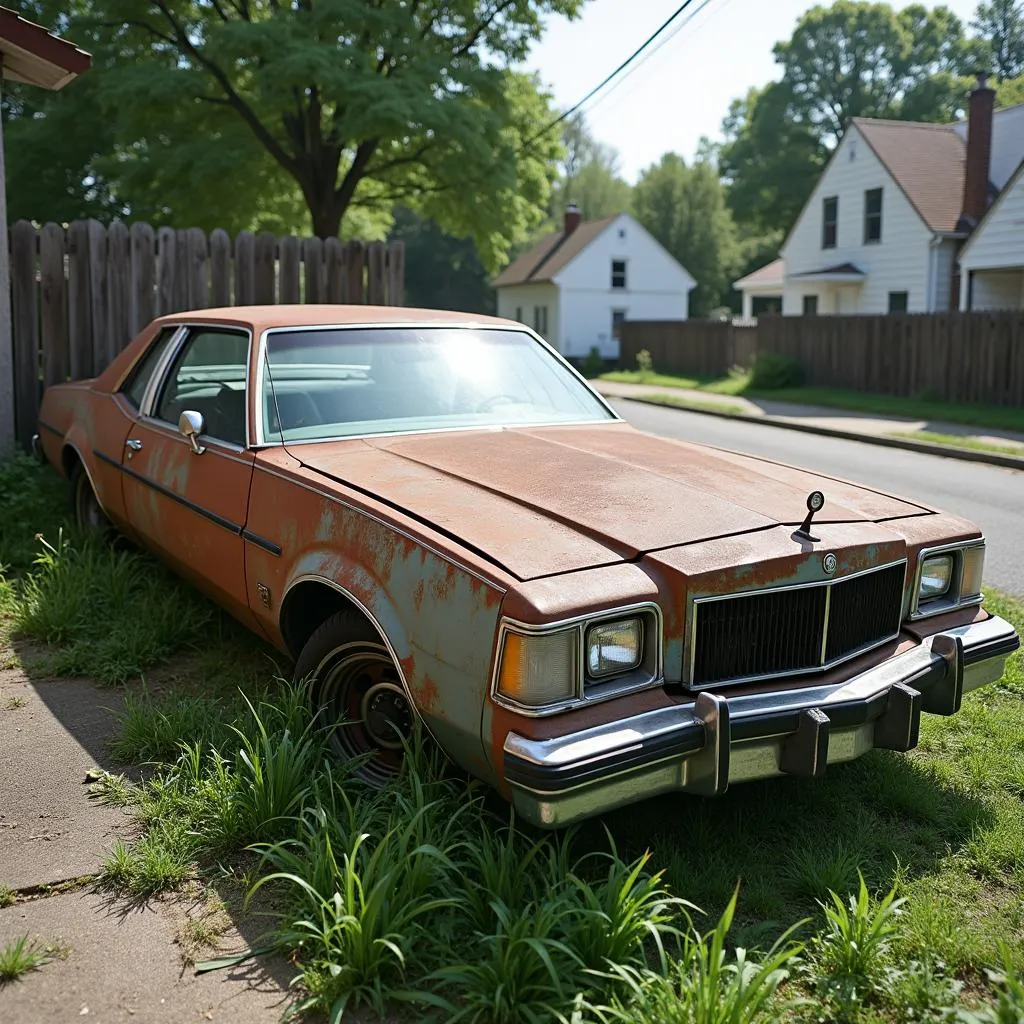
(899, 262)
(1007, 143)
(942, 287)
(521, 302)
(997, 289)
(999, 241)
(587, 315)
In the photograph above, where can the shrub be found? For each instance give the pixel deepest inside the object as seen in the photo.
(644, 363)
(593, 365)
(771, 371)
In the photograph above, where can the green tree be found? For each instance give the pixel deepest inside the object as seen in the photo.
(441, 271)
(324, 108)
(684, 209)
(1000, 25)
(770, 163)
(589, 176)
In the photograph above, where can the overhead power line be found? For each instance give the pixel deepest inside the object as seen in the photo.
(611, 76)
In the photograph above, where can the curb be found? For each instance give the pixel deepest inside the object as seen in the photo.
(925, 447)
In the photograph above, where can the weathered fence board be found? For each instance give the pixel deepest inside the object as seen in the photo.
(80, 293)
(955, 357)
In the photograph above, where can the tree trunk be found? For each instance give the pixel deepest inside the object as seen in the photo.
(326, 214)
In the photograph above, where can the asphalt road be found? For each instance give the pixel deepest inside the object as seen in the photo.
(990, 496)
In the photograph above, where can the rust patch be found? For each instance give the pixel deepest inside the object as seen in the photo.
(408, 665)
(417, 595)
(428, 695)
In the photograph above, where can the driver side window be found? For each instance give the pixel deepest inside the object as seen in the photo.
(208, 377)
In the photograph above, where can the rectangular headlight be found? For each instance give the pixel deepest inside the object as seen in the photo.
(936, 578)
(538, 671)
(614, 648)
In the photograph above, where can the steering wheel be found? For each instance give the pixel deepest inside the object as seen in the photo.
(488, 403)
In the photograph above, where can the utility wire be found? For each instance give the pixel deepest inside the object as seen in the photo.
(618, 71)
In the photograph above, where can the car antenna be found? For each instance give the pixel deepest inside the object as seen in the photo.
(815, 502)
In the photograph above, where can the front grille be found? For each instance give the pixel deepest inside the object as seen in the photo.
(795, 629)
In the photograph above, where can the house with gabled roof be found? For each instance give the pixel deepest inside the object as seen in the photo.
(575, 287)
(894, 213)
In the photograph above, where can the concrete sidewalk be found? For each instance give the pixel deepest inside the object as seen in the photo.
(867, 427)
(119, 960)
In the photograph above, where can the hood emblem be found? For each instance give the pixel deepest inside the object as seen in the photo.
(828, 563)
(815, 502)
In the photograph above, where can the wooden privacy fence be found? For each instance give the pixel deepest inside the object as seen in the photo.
(80, 294)
(701, 348)
(955, 357)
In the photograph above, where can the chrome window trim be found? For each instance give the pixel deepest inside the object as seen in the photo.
(824, 666)
(578, 624)
(260, 437)
(146, 411)
(944, 607)
(158, 371)
(223, 448)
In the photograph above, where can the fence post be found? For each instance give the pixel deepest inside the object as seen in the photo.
(312, 262)
(245, 268)
(355, 260)
(289, 269)
(118, 277)
(220, 268)
(335, 270)
(376, 272)
(98, 295)
(141, 306)
(25, 320)
(396, 274)
(54, 318)
(167, 243)
(79, 314)
(198, 285)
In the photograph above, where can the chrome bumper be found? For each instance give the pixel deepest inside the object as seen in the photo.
(704, 745)
(37, 448)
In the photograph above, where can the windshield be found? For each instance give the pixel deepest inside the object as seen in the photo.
(338, 383)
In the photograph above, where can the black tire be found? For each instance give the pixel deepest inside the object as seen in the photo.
(85, 508)
(357, 690)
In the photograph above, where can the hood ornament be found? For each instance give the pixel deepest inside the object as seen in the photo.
(815, 502)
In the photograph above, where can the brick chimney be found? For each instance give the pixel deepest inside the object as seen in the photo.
(979, 153)
(572, 219)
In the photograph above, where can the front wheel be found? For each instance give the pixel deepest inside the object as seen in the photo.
(356, 688)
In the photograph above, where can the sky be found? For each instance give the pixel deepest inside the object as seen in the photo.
(684, 90)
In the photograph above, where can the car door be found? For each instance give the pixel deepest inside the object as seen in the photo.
(189, 502)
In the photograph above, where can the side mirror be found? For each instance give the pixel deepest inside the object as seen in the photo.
(190, 425)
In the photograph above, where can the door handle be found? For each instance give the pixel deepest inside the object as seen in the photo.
(134, 444)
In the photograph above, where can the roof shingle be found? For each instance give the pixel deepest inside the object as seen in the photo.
(544, 260)
(926, 161)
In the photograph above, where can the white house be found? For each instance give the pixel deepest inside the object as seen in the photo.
(886, 222)
(992, 259)
(577, 285)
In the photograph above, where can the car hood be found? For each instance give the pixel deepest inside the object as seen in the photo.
(548, 500)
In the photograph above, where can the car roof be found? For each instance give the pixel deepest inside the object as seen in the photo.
(261, 318)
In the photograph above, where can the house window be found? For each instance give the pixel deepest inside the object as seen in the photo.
(618, 315)
(618, 273)
(540, 320)
(829, 221)
(519, 314)
(810, 305)
(872, 215)
(897, 302)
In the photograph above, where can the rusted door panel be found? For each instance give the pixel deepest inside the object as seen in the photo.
(439, 616)
(190, 508)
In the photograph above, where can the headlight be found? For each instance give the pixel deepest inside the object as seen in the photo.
(614, 648)
(949, 578)
(936, 578)
(538, 671)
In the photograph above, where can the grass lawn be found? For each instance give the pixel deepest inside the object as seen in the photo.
(992, 416)
(425, 899)
(1006, 447)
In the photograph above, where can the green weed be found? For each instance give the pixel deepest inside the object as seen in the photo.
(21, 956)
(8, 897)
(155, 730)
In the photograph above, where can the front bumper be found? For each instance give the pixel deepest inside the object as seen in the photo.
(704, 745)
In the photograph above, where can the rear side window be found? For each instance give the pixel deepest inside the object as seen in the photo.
(134, 386)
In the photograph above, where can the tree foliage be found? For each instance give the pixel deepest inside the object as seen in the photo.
(588, 176)
(318, 108)
(1001, 25)
(684, 209)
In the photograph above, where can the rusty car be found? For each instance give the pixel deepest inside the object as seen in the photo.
(452, 534)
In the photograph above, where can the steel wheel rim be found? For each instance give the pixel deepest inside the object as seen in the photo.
(349, 679)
